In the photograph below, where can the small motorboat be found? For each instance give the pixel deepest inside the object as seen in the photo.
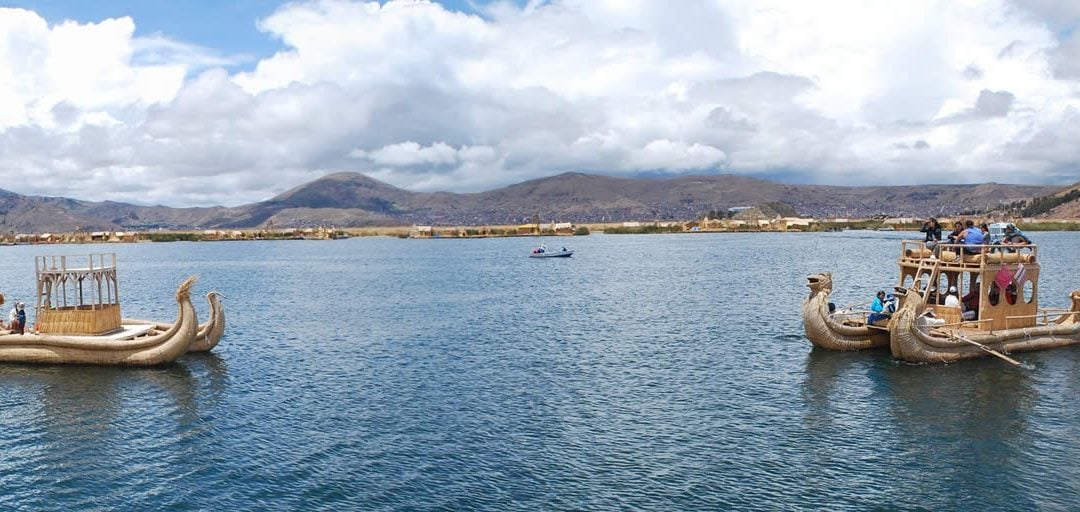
(544, 252)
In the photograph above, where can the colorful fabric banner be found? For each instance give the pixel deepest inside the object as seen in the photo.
(1020, 275)
(1004, 277)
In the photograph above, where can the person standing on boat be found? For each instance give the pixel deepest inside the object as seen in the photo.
(20, 317)
(17, 318)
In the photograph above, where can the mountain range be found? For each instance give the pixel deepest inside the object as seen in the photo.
(355, 200)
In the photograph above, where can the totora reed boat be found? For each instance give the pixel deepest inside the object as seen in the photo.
(998, 314)
(78, 320)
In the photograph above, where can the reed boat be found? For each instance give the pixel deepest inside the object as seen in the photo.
(78, 320)
(209, 333)
(998, 314)
(129, 345)
(915, 341)
(837, 330)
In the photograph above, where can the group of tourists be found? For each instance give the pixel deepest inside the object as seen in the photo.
(972, 237)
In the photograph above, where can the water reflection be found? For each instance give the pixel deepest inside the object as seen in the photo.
(210, 370)
(75, 397)
(967, 422)
(836, 382)
(983, 399)
(83, 401)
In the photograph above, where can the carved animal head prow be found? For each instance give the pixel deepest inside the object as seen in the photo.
(820, 282)
(1075, 296)
(184, 291)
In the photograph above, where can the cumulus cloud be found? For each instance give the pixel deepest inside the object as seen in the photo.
(410, 154)
(994, 103)
(427, 98)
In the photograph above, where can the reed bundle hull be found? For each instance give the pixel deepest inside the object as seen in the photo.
(910, 342)
(155, 347)
(825, 331)
(209, 333)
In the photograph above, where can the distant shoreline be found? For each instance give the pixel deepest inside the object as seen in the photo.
(505, 231)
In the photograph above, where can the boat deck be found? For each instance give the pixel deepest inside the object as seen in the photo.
(126, 332)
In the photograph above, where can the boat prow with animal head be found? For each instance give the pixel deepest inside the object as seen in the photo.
(844, 329)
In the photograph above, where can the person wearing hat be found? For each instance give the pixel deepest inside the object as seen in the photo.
(952, 299)
(1014, 236)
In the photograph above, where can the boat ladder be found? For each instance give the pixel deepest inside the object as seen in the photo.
(932, 269)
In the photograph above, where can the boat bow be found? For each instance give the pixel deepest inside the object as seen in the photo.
(825, 331)
(210, 333)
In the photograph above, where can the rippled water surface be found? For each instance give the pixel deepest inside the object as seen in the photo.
(645, 373)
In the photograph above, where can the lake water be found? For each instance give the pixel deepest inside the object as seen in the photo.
(664, 372)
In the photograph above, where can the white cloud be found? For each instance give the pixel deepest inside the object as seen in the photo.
(429, 99)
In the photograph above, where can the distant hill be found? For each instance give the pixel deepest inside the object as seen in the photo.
(581, 197)
(1069, 208)
(353, 200)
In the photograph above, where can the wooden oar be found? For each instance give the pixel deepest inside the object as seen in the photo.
(987, 349)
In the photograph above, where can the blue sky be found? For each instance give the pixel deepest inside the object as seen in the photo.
(227, 26)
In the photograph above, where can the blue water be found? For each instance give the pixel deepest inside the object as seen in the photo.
(660, 372)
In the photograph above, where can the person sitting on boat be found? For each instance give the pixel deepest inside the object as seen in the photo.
(972, 238)
(971, 303)
(954, 237)
(879, 309)
(933, 232)
(951, 299)
(1014, 236)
